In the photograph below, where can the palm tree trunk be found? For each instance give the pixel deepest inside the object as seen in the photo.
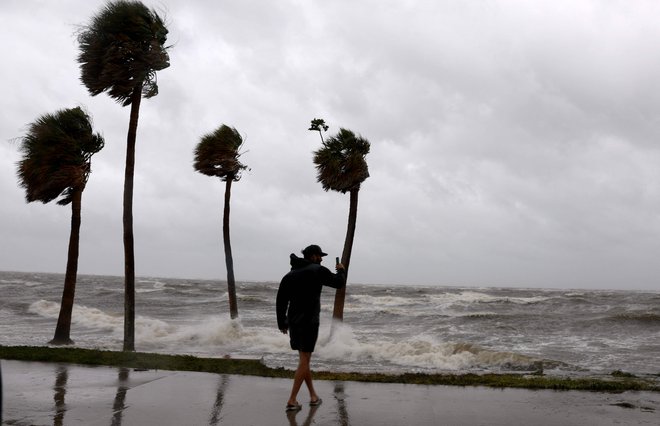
(129, 251)
(63, 328)
(229, 260)
(340, 295)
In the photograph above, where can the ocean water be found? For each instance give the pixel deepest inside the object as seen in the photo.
(390, 329)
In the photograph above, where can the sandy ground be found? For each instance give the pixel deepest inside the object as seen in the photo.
(64, 394)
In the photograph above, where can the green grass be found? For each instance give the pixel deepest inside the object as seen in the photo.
(618, 382)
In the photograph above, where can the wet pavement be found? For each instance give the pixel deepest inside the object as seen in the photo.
(64, 394)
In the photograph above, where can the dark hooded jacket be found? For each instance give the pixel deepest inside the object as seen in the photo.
(299, 296)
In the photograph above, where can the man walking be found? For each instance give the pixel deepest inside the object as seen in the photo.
(298, 308)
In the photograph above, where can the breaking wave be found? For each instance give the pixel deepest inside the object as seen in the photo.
(423, 352)
(219, 336)
(145, 328)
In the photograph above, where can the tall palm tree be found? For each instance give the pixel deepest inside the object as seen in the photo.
(341, 166)
(120, 52)
(217, 154)
(56, 163)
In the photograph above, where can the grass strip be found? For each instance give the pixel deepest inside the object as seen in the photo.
(154, 361)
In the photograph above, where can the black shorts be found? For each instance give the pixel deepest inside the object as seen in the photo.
(304, 338)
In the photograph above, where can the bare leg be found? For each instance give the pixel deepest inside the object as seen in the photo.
(306, 358)
(303, 374)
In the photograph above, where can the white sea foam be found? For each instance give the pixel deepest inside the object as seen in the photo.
(358, 308)
(438, 302)
(422, 351)
(207, 335)
(472, 297)
(146, 329)
(214, 335)
(219, 335)
(81, 315)
(213, 331)
(156, 286)
(385, 301)
(154, 282)
(395, 305)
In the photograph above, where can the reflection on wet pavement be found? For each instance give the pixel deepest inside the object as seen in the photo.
(342, 411)
(291, 416)
(61, 378)
(46, 393)
(120, 398)
(215, 418)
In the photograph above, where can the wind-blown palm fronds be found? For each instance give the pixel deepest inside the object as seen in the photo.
(120, 52)
(218, 154)
(341, 166)
(56, 163)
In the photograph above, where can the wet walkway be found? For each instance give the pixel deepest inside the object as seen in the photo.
(63, 394)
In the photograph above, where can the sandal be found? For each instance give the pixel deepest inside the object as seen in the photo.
(315, 403)
(293, 407)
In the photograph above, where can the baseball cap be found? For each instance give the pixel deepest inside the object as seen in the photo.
(313, 249)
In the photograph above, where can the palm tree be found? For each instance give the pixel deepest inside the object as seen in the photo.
(56, 163)
(217, 154)
(318, 125)
(120, 52)
(341, 166)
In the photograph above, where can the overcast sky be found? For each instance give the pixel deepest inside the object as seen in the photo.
(513, 143)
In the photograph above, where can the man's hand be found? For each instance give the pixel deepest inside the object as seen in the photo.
(339, 266)
(284, 330)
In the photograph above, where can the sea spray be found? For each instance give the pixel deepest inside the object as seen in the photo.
(339, 342)
(419, 352)
(81, 316)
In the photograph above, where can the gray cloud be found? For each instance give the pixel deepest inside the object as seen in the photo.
(513, 143)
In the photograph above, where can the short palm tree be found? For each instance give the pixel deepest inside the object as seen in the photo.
(217, 154)
(341, 166)
(120, 52)
(56, 163)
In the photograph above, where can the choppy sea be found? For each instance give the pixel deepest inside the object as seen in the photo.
(390, 329)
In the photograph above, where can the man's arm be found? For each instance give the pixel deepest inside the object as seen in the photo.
(281, 306)
(329, 279)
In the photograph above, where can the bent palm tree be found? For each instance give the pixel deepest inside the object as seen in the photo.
(341, 166)
(56, 162)
(217, 154)
(120, 52)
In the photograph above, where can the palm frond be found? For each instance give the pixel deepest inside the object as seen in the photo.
(122, 49)
(340, 162)
(218, 153)
(56, 155)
